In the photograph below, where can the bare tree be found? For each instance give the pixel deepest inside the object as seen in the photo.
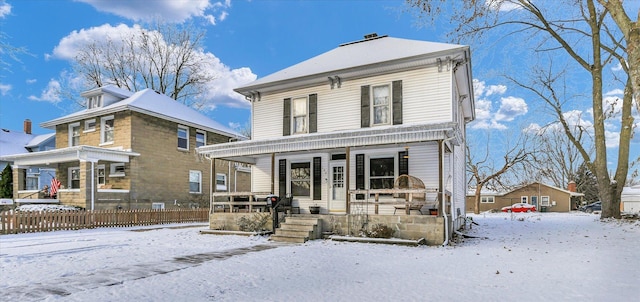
(484, 172)
(6, 49)
(166, 59)
(562, 28)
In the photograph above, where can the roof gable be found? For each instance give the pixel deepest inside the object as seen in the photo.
(151, 103)
(357, 54)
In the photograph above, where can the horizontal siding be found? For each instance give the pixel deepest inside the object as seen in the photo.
(426, 99)
(261, 175)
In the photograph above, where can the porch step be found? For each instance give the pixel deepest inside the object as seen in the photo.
(298, 230)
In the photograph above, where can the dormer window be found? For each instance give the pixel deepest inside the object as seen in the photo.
(94, 102)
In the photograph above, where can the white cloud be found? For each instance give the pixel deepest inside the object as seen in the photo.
(510, 108)
(478, 88)
(5, 9)
(50, 94)
(487, 124)
(31, 81)
(483, 109)
(496, 89)
(166, 10)
(219, 91)
(4, 89)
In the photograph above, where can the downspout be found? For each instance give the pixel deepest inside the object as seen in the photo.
(210, 183)
(444, 196)
(229, 177)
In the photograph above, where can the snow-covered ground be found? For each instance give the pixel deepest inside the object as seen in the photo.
(519, 257)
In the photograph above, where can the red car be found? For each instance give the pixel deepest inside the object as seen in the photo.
(519, 207)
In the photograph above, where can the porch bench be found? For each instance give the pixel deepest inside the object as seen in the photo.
(414, 206)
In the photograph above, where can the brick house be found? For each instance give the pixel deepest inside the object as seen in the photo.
(336, 131)
(133, 150)
(544, 197)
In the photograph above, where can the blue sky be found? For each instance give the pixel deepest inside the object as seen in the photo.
(250, 39)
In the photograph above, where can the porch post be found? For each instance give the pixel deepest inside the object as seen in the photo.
(347, 178)
(440, 174)
(18, 178)
(273, 169)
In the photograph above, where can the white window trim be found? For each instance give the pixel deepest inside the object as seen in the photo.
(183, 128)
(99, 167)
(221, 187)
(306, 115)
(487, 199)
(543, 202)
(199, 181)
(113, 172)
(71, 126)
(389, 105)
(198, 131)
(86, 125)
(524, 199)
(103, 135)
(70, 180)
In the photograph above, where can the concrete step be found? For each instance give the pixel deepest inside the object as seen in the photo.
(297, 233)
(289, 226)
(292, 239)
(302, 220)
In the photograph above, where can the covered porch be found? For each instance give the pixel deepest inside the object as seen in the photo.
(346, 203)
(81, 176)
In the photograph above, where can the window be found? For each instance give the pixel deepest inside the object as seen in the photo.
(544, 201)
(32, 180)
(106, 130)
(381, 100)
(201, 138)
(381, 173)
(74, 134)
(74, 178)
(195, 181)
(101, 175)
(487, 199)
(90, 125)
(301, 179)
(157, 206)
(299, 113)
(524, 199)
(183, 137)
(221, 182)
(94, 102)
(116, 170)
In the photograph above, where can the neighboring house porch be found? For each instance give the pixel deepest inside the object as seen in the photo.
(81, 172)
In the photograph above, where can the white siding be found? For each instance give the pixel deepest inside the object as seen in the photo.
(427, 98)
(261, 175)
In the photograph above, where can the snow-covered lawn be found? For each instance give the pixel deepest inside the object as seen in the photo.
(519, 257)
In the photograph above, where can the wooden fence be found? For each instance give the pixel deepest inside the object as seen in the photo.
(14, 222)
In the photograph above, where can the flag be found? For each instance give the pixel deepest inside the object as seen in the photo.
(55, 185)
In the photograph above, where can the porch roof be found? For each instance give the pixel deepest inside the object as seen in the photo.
(76, 153)
(243, 151)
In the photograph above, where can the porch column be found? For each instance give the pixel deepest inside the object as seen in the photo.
(440, 174)
(18, 178)
(86, 187)
(273, 173)
(347, 173)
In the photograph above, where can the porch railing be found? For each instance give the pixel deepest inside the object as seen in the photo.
(234, 200)
(402, 198)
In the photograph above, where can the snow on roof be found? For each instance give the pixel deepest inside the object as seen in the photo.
(111, 89)
(356, 54)
(39, 139)
(13, 142)
(155, 104)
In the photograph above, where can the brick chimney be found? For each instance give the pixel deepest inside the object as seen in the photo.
(27, 126)
(571, 187)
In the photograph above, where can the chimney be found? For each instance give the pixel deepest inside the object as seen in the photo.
(370, 36)
(27, 126)
(571, 187)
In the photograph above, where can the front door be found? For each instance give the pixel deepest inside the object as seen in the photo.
(337, 202)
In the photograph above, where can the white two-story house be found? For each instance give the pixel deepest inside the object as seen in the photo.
(356, 118)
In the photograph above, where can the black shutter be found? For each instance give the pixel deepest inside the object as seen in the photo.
(403, 162)
(359, 175)
(397, 102)
(286, 118)
(365, 104)
(317, 178)
(282, 178)
(313, 113)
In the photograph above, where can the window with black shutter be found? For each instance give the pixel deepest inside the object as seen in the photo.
(282, 177)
